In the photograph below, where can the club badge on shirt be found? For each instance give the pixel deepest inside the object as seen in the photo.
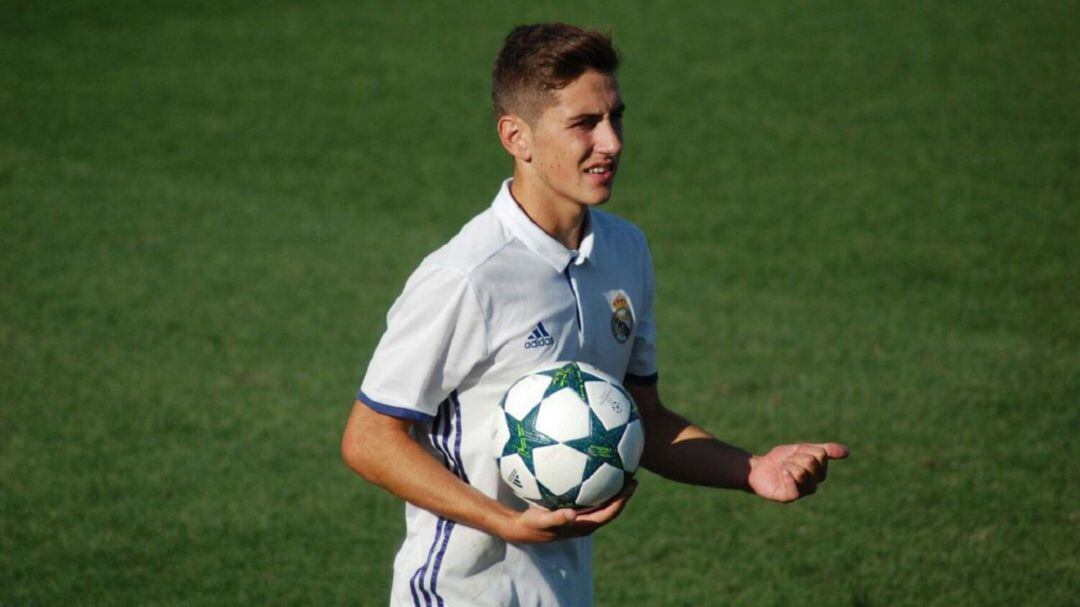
(622, 317)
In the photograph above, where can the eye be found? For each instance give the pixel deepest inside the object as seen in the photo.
(587, 123)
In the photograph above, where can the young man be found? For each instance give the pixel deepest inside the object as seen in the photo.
(543, 260)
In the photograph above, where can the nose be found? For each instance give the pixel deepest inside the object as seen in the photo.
(608, 138)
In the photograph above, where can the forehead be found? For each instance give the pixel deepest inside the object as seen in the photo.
(592, 93)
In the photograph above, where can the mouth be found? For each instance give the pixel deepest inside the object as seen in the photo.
(601, 171)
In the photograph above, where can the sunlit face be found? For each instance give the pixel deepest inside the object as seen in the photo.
(575, 143)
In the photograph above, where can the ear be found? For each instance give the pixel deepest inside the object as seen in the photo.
(516, 137)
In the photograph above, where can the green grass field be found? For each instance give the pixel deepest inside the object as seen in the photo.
(864, 217)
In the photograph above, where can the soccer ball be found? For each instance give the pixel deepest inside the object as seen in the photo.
(569, 436)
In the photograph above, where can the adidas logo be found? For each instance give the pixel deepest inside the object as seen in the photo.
(515, 479)
(539, 338)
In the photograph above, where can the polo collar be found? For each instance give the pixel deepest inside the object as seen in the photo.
(537, 240)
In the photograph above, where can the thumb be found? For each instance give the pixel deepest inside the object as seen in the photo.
(835, 450)
(554, 518)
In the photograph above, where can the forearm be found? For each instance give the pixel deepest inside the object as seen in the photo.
(681, 451)
(397, 463)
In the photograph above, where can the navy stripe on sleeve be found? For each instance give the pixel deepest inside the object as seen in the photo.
(392, 411)
(641, 380)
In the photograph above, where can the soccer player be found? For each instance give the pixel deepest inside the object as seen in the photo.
(541, 276)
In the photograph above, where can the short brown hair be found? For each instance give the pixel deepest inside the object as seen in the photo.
(537, 60)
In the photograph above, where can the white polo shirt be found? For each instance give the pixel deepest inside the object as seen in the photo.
(497, 301)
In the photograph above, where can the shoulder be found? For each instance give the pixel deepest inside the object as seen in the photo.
(478, 241)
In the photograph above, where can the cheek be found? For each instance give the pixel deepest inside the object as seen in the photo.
(556, 160)
(560, 155)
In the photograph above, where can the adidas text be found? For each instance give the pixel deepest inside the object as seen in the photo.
(539, 343)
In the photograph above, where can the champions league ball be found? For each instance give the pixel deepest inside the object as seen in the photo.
(569, 437)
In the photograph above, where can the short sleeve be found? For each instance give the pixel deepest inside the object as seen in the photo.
(435, 336)
(642, 369)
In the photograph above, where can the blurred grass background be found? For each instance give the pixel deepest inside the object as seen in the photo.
(864, 218)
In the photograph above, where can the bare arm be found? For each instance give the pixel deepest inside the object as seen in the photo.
(677, 449)
(379, 448)
(680, 450)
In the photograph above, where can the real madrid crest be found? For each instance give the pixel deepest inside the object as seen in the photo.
(622, 317)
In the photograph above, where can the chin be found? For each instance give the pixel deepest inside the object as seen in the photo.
(596, 198)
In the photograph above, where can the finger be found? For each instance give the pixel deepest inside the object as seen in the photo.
(796, 472)
(629, 487)
(612, 509)
(820, 467)
(814, 467)
(835, 450)
(817, 451)
(604, 514)
(548, 519)
(802, 478)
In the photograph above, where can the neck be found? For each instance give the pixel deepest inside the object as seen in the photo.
(562, 219)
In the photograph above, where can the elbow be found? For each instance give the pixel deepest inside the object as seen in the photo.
(371, 441)
(355, 452)
(350, 451)
(365, 453)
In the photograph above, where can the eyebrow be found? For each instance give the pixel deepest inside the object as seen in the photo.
(618, 109)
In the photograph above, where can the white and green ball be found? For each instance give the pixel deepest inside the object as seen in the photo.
(569, 436)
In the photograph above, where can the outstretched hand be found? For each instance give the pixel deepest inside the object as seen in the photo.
(537, 525)
(789, 472)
